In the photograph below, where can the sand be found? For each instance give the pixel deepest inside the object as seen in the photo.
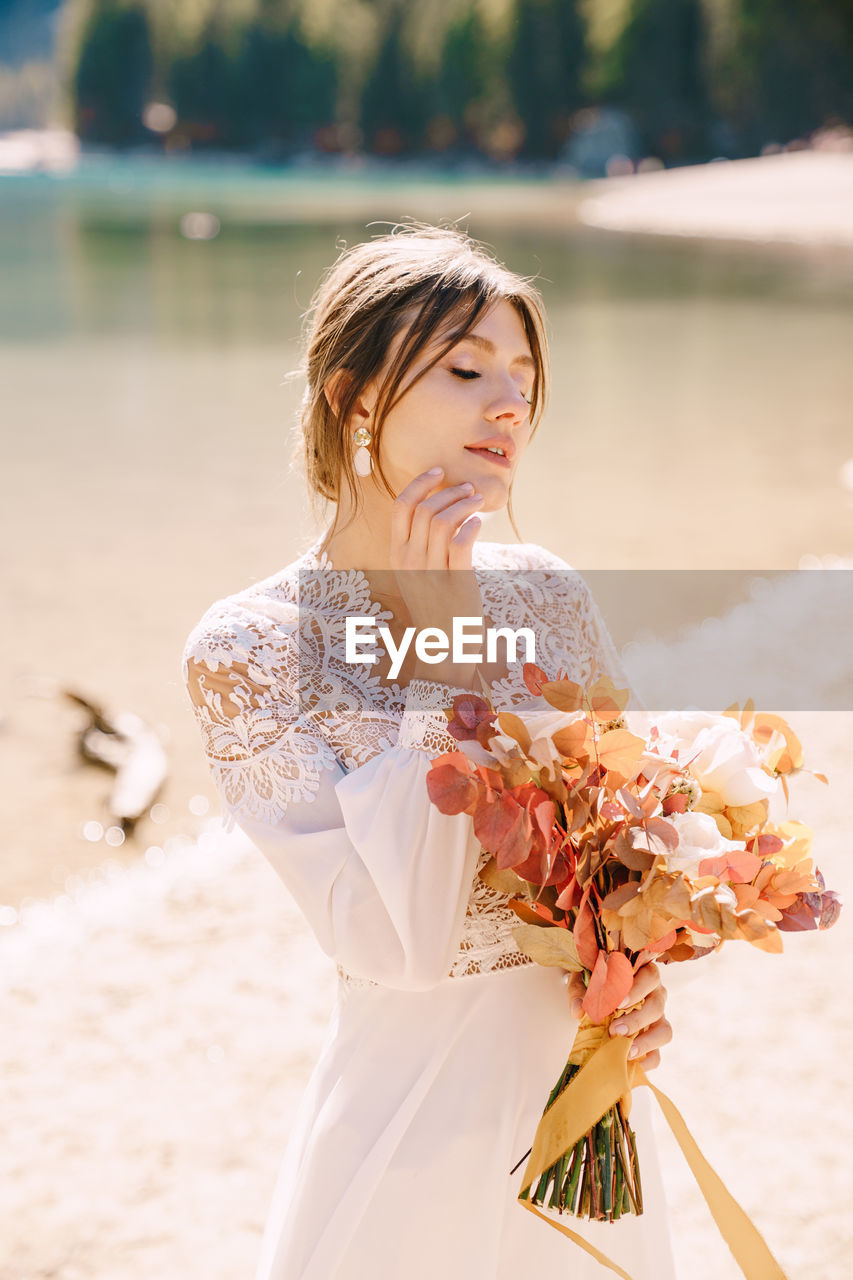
(797, 198)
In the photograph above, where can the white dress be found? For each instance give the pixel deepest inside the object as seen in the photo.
(445, 1040)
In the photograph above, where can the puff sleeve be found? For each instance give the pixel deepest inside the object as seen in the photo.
(382, 876)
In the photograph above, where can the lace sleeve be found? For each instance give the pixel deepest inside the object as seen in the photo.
(241, 681)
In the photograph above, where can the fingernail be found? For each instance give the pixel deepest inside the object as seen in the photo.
(618, 1029)
(625, 1003)
(633, 1051)
(468, 487)
(435, 471)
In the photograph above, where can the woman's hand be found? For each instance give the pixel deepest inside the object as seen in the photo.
(431, 531)
(652, 1028)
(427, 524)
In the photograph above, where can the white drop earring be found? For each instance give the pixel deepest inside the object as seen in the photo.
(362, 459)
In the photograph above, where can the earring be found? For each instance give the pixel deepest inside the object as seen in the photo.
(362, 460)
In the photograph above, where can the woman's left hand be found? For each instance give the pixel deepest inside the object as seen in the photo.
(652, 1028)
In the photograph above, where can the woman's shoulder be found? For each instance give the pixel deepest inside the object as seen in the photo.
(243, 624)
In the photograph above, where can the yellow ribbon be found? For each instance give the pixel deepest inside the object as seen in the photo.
(606, 1076)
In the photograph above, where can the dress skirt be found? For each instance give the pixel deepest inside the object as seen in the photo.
(398, 1163)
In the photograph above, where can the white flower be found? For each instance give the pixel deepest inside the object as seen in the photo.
(540, 722)
(725, 894)
(722, 757)
(658, 767)
(699, 837)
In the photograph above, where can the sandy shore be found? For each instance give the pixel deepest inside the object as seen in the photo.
(796, 198)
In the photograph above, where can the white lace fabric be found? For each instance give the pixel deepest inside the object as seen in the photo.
(277, 703)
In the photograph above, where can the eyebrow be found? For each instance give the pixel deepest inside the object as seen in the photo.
(488, 345)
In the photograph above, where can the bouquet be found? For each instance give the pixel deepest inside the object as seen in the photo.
(615, 848)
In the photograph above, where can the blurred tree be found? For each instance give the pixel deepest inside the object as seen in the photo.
(503, 78)
(785, 69)
(544, 65)
(111, 73)
(394, 105)
(462, 76)
(656, 70)
(459, 82)
(202, 86)
(286, 88)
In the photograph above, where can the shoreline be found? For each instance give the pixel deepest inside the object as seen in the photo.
(796, 199)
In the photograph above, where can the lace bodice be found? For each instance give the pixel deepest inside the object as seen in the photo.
(278, 705)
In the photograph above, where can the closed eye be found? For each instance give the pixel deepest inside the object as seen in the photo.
(468, 374)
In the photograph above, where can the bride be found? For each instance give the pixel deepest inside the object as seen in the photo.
(426, 366)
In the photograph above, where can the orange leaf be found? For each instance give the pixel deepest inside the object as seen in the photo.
(618, 897)
(662, 944)
(619, 750)
(738, 867)
(450, 785)
(571, 740)
(611, 980)
(565, 695)
(746, 894)
(534, 677)
(607, 699)
(586, 938)
(515, 728)
(746, 817)
(504, 829)
(788, 757)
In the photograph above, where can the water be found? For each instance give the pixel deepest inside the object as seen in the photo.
(700, 414)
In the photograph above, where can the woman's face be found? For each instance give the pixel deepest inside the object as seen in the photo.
(477, 395)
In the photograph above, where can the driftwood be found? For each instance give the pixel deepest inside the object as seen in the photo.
(126, 744)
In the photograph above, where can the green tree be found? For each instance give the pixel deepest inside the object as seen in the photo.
(111, 74)
(393, 108)
(786, 70)
(656, 70)
(545, 60)
(202, 86)
(286, 88)
(461, 86)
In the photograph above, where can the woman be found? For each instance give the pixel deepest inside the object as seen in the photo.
(426, 369)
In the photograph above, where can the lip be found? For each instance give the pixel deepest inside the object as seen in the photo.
(482, 451)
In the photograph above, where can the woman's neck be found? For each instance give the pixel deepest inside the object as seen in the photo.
(362, 541)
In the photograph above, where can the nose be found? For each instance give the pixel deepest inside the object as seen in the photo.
(510, 405)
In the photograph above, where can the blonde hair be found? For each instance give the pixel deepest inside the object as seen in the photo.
(421, 276)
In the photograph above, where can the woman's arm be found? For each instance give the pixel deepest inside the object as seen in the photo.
(382, 876)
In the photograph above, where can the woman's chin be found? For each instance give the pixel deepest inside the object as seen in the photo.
(495, 496)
